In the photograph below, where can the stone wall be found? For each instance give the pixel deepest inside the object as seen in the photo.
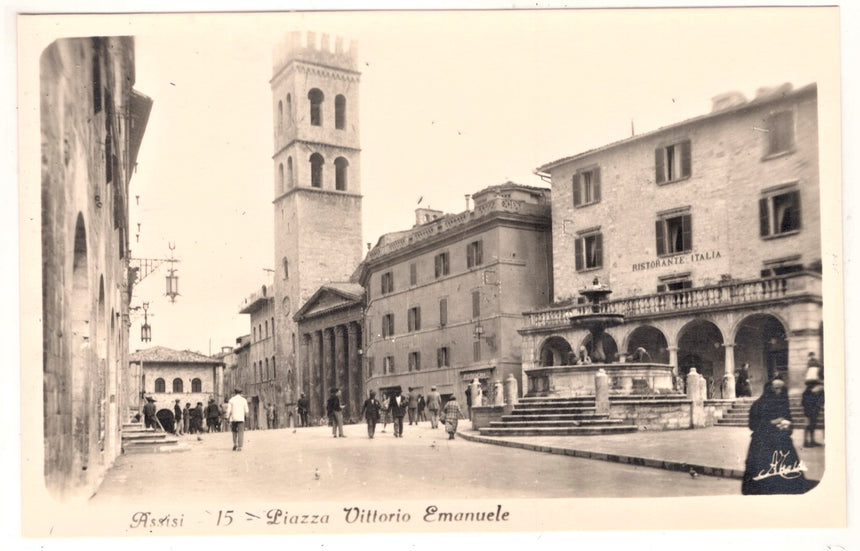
(663, 416)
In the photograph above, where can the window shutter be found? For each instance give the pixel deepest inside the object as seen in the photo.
(418, 319)
(438, 357)
(443, 312)
(661, 241)
(764, 221)
(595, 185)
(658, 164)
(687, 231)
(476, 304)
(470, 255)
(578, 254)
(686, 159)
(438, 263)
(577, 193)
(479, 252)
(413, 273)
(795, 201)
(598, 250)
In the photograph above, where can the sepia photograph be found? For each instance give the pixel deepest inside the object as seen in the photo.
(386, 272)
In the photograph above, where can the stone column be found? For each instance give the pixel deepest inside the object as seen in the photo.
(339, 334)
(696, 389)
(303, 374)
(601, 392)
(729, 375)
(317, 395)
(353, 368)
(329, 379)
(673, 359)
(511, 392)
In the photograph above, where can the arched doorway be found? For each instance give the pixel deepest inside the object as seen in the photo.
(167, 420)
(81, 364)
(610, 348)
(652, 340)
(700, 345)
(761, 342)
(556, 351)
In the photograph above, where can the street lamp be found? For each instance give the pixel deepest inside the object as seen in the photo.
(145, 329)
(172, 280)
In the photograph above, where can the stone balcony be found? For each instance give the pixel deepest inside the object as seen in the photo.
(729, 295)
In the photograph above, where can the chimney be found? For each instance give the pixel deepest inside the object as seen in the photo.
(727, 100)
(467, 200)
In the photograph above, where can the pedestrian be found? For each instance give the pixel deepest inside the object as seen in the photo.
(397, 406)
(370, 411)
(421, 405)
(813, 401)
(772, 464)
(197, 420)
(186, 418)
(469, 400)
(412, 401)
(225, 424)
(814, 369)
(213, 416)
(149, 419)
(386, 411)
(302, 406)
(275, 415)
(237, 411)
(434, 404)
(177, 415)
(742, 381)
(451, 416)
(334, 409)
(270, 416)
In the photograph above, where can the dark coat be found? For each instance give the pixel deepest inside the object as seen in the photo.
(370, 409)
(333, 404)
(397, 410)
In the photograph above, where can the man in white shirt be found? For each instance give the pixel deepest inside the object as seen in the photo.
(237, 410)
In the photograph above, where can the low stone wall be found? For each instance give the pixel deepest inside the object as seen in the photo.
(715, 409)
(482, 416)
(657, 416)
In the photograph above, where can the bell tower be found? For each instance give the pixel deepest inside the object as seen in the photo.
(317, 187)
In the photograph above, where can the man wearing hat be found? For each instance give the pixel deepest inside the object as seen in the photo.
(334, 408)
(149, 413)
(434, 404)
(237, 411)
(177, 416)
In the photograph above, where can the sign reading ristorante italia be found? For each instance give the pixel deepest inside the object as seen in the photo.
(676, 260)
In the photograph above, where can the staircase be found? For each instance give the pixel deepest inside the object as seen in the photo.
(137, 439)
(535, 416)
(738, 415)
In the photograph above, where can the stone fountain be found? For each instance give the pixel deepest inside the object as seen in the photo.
(596, 321)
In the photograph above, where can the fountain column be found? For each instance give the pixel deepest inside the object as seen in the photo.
(729, 375)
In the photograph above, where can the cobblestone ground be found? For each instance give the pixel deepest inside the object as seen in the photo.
(283, 465)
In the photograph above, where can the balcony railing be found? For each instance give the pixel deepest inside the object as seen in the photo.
(724, 294)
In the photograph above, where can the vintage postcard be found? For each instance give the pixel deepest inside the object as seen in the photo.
(400, 272)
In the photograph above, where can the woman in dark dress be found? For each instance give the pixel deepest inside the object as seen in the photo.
(772, 465)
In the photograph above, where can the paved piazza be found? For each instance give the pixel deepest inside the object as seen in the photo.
(282, 465)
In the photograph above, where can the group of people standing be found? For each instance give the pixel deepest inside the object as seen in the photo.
(393, 408)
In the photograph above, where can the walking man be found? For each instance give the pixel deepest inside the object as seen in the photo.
(303, 410)
(186, 417)
(434, 404)
(451, 414)
(421, 405)
(370, 410)
(397, 406)
(270, 416)
(335, 413)
(213, 415)
(413, 406)
(177, 414)
(149, 413)
(237, 411)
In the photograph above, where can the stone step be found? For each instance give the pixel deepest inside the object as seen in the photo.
(557, 431)
(545, 410)
(154, 446)
(549, 399)
(583, 423)
(143, 435)
(550, 416)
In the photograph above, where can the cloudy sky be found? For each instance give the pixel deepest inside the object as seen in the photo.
(450, 103)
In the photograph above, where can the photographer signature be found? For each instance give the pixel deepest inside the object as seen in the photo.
(779, 467)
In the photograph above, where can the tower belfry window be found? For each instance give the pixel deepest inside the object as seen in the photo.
(340, 112)
(316, 98)
(290, 181)
(340, 170)
(317, 170)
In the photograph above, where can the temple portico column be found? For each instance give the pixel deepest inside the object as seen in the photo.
(340, 352)
(353, 367)
(729, 373)
(328, 363)
(317, 395)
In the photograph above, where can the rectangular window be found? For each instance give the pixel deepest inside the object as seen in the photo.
(414, 319)
(443, 312)
(589, 251)
(387, 283)
(443, 357)
(674, 285)
(413, 274)
(387, 365)
(586, 187)
(780, 133)
(779, 213)
(476, 351)
(674, 234)
(474, 254)
(441, 265)
(476, 304)
(370, 367)
(673, 162)
(387, 325)
(415, 361)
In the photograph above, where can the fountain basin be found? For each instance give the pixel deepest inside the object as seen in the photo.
(625, 379)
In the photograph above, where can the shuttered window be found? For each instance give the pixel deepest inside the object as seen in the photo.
(673, 162)
(674, 234)
(589, 251)
(779, 213)
(586, 187)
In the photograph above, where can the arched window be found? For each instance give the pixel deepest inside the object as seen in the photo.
(340, 170)
(317, 170)
(316, 97)
(281, 177)
(289, 110)
(286, 268)
(196, 385)
(177, 385)
(340, 112)
(267, 328)
(274, 371)
(159, 385)
(280, 115)
(290, 181)
(267, 368)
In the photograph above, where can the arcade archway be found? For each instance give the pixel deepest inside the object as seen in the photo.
(652, 340)
(556, 351)
(700, 345)
(761, 342)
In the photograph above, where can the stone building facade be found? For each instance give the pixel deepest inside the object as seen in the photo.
(708, 233)
(317, 187)
(264, 384)
(92, 124)
(330, 328)
(168, 375)
(445, 298)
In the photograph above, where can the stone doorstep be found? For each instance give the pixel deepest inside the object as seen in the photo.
(555, 409)
(145, 435)
(558, 431)
(157, 449)
(670, 465)
(553, 423)
(551, 417)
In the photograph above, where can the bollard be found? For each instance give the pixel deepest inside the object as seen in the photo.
(511, 392)
(601, 392)
(696, 389)
(477, 393)
(498, 394)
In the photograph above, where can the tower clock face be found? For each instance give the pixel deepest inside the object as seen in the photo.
(286, 306)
